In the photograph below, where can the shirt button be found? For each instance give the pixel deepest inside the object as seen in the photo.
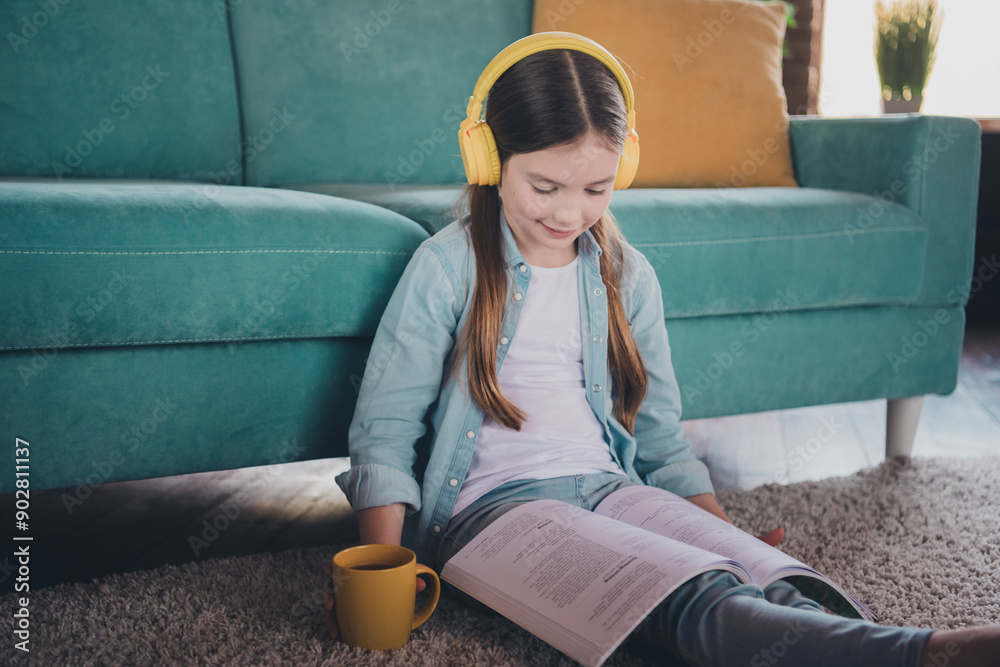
(597, 339)
(437, 529)
(470, 434)
(504, 340)
(452, 482)
(517, 296)
(598, 291)
(522, 268)
(597, 388)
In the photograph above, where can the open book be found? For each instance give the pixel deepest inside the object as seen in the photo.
(582, 581)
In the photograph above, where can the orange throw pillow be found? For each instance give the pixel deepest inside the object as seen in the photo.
(710, 106)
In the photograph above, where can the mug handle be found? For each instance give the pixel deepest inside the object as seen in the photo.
(425, 611)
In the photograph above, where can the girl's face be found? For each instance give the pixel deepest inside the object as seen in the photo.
(552, 196)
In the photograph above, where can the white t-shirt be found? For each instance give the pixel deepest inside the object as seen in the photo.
(542, 375)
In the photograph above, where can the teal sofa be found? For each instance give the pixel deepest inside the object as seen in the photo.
(204, 207)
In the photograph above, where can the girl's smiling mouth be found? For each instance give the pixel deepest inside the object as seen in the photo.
(556, 233)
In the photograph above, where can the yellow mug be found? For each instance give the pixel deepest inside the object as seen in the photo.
(374, 588)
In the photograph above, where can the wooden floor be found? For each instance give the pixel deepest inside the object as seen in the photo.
(127, 526)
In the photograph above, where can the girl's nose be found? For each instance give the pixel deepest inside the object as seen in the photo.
(567, 216)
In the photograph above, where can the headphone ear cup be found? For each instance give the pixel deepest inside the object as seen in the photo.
(629, 162)
(479, 154)
(491, 156)
(468, 156)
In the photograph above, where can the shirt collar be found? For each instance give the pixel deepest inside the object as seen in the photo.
(586, 246)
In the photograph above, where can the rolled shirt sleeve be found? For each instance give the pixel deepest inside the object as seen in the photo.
(402, 379)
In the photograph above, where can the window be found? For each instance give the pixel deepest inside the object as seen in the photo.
(964, 81)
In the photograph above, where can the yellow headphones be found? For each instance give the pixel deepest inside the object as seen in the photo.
(475, 138)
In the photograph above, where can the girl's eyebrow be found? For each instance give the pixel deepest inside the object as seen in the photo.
(545, 179)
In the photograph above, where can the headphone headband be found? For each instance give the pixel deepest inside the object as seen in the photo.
(547, 41)
(475, 138)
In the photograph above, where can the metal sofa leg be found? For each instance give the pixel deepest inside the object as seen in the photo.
(901, 418)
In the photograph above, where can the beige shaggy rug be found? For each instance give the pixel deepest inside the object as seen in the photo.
(918, 542)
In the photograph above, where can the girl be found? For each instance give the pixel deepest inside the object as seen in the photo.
(532, 335)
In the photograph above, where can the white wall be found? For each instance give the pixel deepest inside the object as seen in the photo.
(965, 80)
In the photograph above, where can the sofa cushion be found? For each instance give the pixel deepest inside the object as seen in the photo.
(728, 251)
(95, 263)
(710, 106)
(372, 91)
(117, 88)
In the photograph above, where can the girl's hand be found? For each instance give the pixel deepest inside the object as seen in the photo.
(773, 537)
(377, 525)
(329, 614)
(707, 502)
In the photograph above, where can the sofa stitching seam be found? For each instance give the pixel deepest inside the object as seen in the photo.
(779, 238)
(23, 348)
(155, 342)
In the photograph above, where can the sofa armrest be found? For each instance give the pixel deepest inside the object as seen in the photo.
(928, 163)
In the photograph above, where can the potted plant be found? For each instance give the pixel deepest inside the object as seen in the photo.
(905, 40)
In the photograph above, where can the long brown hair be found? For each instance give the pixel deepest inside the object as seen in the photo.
(548, 99)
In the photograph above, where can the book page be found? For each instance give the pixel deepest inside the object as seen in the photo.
(669, 515)
(579, 581)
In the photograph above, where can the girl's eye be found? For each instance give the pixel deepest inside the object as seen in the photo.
(544, 192)
(596, 193)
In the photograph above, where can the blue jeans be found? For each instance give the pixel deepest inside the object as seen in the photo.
(713, 619)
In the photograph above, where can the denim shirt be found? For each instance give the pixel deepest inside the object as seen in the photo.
(406, 375)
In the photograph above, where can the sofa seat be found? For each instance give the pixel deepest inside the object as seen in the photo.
(799, 248)
(110, 263)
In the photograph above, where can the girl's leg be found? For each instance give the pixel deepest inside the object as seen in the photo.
(715, 620)
(783, 593)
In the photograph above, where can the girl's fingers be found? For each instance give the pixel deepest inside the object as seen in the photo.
(331, 623)
(329, 616)
(774, 537)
